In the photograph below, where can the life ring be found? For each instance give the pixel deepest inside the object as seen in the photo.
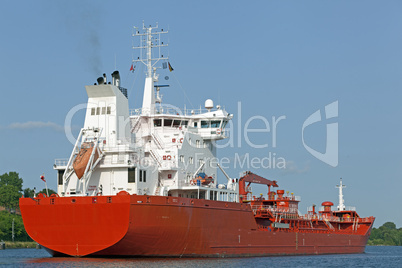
(164, 157)
(173, 140)
(218, 131)
(169, 157)
(181, 140)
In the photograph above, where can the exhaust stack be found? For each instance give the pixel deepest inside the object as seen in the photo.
(116, 78)
(100, 80)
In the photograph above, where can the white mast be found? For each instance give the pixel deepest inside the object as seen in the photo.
(341, 206)
(150, 41)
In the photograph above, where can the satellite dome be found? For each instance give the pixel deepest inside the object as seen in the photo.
(209, 104)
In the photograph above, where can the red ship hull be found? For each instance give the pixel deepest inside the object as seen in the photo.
(125, 225)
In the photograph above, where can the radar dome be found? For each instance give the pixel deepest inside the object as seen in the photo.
(209, 104)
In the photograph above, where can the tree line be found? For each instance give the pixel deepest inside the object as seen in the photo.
(10, 192)
(386, 235)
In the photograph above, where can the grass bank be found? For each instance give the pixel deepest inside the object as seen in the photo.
(17, 244)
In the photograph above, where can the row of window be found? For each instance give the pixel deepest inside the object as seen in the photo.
(191, 160)
(100, 110)
(198, 143)
(184, 123)
(210, 124)
(170, 123)
(132, 175)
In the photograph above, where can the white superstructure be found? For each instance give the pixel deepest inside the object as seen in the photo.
(153, 150)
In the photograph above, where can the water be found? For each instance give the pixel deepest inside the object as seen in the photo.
(374, 257)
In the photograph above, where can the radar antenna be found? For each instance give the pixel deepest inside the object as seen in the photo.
(149, 42)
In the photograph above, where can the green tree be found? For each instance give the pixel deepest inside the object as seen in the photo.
(389, 225)
(6, 222)
(50, 191)
(387, 234)
(9, 196)
(11, 178)
(28, 192)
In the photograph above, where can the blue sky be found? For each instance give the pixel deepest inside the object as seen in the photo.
(278, 58)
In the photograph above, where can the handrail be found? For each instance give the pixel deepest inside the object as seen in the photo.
(155, 157)
(61, 162)
(174, 111)
(258, 209)
(157, 140)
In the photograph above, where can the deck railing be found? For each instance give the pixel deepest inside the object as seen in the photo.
(172, 111)
(285, 212)
(61, 162)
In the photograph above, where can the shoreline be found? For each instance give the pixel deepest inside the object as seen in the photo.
(19, 244)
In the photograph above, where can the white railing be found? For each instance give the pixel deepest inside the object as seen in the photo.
(61, 162)
(290, 197)
(286, 211)
(274, 210)
(158, 140)
(156, 157)
(136, 124)
(346, 209)
(172, 111)
(335, 219)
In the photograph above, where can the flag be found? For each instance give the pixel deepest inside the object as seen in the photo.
(43, 178)
(132, 68)
(170, 67)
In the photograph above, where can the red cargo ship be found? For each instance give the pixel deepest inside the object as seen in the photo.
(148, 187)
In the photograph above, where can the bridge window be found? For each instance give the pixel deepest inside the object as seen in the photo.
(97, 110)
(215, 123)
(103, 110)
(176, 123)
(224, 124)
(157, 122)
(109, 110)
(167, 122)
(60, 173)
(195, 124)
(204, 124)
(93, 111)
(184, 123)
(131, 175)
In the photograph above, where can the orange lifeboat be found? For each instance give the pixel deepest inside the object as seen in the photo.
(81, 161)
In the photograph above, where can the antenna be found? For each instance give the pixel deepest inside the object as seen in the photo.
(148, 41)
(341, 206)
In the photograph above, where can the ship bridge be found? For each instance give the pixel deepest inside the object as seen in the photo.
(210, 125)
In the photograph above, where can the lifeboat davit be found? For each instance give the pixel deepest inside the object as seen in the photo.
(81, 161)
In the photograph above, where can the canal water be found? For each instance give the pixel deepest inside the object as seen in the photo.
(375, 256)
